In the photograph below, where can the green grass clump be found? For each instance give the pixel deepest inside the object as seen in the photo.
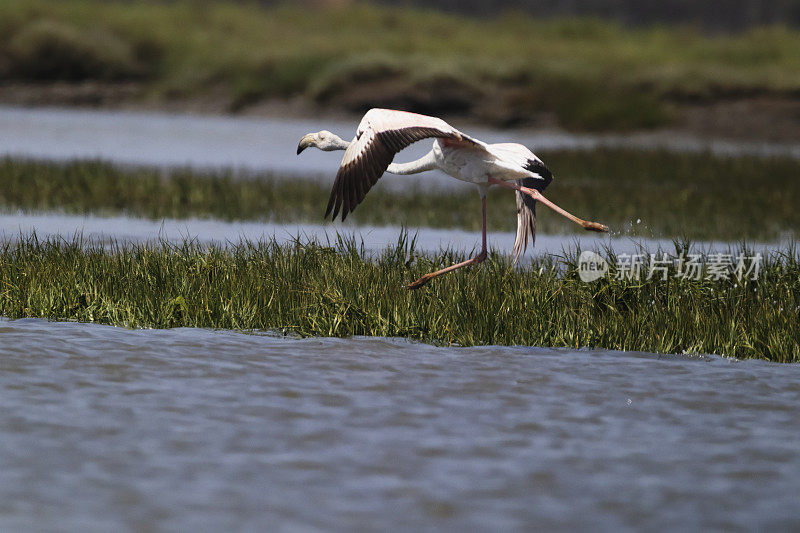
(591, 74)
(308, 288)
(699, 196)
(47, 50)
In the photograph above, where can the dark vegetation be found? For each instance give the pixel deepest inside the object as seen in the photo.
(699, 196)
(506, 69)
(308, 288)
(711, 15)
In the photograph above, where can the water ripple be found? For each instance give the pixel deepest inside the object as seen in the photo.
(185, 429)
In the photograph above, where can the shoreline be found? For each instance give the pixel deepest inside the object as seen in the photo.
(765, 118)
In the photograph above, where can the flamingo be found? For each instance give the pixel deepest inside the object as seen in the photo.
(382, 133)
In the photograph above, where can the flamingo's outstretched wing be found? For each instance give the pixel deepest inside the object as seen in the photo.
(381, 134)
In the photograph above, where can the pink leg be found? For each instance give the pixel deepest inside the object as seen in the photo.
(536, 195)
(474, 261)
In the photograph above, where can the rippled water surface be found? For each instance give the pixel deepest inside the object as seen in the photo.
(107, 429)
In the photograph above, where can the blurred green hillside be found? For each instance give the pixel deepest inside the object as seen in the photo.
(586, 73)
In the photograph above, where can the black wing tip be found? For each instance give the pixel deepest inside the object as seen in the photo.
(336, 209)
(329, 208)
(539, 168)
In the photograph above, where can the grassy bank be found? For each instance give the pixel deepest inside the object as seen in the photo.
(589, 74)
(311, 289)
(698, 196)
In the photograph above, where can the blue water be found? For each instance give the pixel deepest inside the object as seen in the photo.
(108, 429)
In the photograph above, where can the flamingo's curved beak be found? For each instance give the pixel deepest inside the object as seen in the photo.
(305, 142)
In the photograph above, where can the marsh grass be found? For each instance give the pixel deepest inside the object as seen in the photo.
(591, 74)
(698, 196)
(337, 289)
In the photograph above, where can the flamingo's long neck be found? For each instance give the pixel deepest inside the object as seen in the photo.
(336, 143)
(426, 162)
